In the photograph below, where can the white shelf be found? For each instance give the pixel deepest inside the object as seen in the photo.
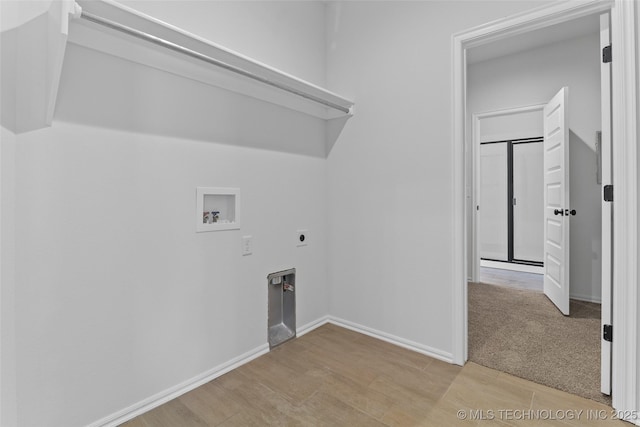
(95, 36)
(36, 48)
(40, 44)
(217, 209)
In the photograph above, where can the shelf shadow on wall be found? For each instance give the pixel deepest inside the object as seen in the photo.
(21, 107)
(109, 92)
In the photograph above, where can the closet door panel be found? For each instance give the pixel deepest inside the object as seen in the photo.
(528, 210)
(493, 215)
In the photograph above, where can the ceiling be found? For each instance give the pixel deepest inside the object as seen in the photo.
(534, 39)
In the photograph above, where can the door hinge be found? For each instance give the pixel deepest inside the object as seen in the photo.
(607, 333)
(606, 54)
(608, 193)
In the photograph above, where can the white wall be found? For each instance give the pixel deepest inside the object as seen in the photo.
(533, 77)
(390, 186)
(7, 280)
(154, 102)
(18, 12)
(117, 298)
(514, 125)
(12, 15)
(288, 35)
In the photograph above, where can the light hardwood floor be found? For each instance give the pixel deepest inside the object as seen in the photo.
(336, 377)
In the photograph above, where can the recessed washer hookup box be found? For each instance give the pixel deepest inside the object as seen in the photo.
(282, 306)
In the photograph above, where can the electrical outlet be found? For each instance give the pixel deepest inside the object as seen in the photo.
(302, 238)
(247, 245)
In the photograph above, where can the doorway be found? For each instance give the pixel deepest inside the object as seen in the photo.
(497, 81)
(625, 171)
(510, 192)
(507, 250)
(511, 221)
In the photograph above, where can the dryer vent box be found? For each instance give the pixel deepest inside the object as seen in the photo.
(282, 306)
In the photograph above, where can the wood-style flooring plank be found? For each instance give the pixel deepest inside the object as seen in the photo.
(211, 403)
(171, 414)
(326, 410)
(337, 377)
(365, 399)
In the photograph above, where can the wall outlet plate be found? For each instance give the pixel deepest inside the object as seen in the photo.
(247, 245)
(302, 237)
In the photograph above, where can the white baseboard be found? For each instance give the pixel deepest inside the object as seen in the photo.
(523, 268)
(179, 389)
(311, 326)
(585, 298)
(400, 342)
(182, 388)
(158, 399)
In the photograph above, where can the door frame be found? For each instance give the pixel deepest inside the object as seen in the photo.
(475, 173)
(625, 174)
(606, 208)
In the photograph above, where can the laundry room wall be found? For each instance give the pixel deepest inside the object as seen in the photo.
(288, 35)
(7, 279)
(390, 180)
(118, 301)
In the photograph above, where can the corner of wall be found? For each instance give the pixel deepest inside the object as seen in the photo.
(8, 388)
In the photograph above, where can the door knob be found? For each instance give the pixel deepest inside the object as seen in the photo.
(559, 212)
(572, 212)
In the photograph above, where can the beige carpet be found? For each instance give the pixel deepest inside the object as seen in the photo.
(522, 333)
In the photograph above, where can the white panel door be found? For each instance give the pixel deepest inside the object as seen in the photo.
(607, 207)
(528, 208)
(494, 215)
(556, 201)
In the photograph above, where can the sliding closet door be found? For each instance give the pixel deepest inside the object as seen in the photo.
(493, 216)
(528, 202)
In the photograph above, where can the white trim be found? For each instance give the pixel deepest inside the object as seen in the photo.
(476, 117)
(531, 20)
(459, 221)
(624, 127)
(523, 268)
(393, 339)
(509, 111)
(606, 208)
(178, 390)
(585, 298)
(625, 209)
(158, 399)
(186, 386)
(315, 324)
